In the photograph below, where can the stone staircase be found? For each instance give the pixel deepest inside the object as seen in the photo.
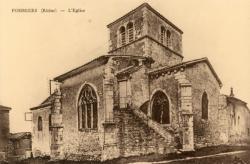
(163, 131)
(139, 135)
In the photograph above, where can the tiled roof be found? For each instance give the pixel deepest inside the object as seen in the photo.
(15, 136)
(235, 100)
(47, 102)
(4, 107)
(186, 64)
(92, 64)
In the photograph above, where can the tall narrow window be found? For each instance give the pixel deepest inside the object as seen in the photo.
(160, 108)
(130, 31)
(168, 38)
(163, 34)
(40, 124)
(122, 33)
(50, 123)
(122, 94)
(87, 108)
(204, 106)
(238, 120)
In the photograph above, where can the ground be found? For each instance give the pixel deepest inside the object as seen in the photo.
(208, 155)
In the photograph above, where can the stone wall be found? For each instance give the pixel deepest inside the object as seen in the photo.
(160, 54)
(146, 42)
(239, 126)
(137, 48)
(41, 139)
(206, 132)
(139, 88)
(136, 138)
(85, 144)
(4, 130)
(154, 23)
(20, 148)
(169, 85)
(137, 18)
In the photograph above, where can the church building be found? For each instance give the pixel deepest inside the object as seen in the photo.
(140, 98)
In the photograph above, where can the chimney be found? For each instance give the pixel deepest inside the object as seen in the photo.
(232, 92)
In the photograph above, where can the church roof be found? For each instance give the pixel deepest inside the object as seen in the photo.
(129, 70)
(4, 107)
(47, 102)
(151, 9)
(92, 64)
(235, 100)
(16, 136)
(186, 64)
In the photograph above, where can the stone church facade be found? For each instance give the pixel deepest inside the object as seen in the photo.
(141, 98)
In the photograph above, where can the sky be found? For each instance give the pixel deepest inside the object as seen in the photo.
(36, 47)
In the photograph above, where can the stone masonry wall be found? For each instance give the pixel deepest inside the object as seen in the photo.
(137, 48)
(79, 145)
(168, 84)
(147, 27)
(139, 88)
(136, 18)
(41, 139)
(136, 138)
(239, 126)
(154, 24)
(4, 130)
(160, 54)
(206, 132)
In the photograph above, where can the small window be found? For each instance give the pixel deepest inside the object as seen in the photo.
(40, 124)
(163, 34)
(168, 38)
(204, 107)
(238, 120)
(130, 31)
(122, 33)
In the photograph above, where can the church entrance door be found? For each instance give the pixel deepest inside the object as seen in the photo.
(160, 108)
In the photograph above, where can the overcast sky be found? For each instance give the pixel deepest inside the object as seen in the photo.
(35, 47)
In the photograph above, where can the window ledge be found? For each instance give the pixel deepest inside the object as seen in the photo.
(107, 123)
(88, 130)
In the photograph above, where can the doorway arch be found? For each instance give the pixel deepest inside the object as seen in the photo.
(160, 108)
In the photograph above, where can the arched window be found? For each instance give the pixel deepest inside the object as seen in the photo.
(40, 124)
(87, 108)
(168, 38)
(130, 32)
(122, 35)
(160, 108)
(163, 34)
(204, 107)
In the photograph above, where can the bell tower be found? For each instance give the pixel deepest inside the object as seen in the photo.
(145, 32)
